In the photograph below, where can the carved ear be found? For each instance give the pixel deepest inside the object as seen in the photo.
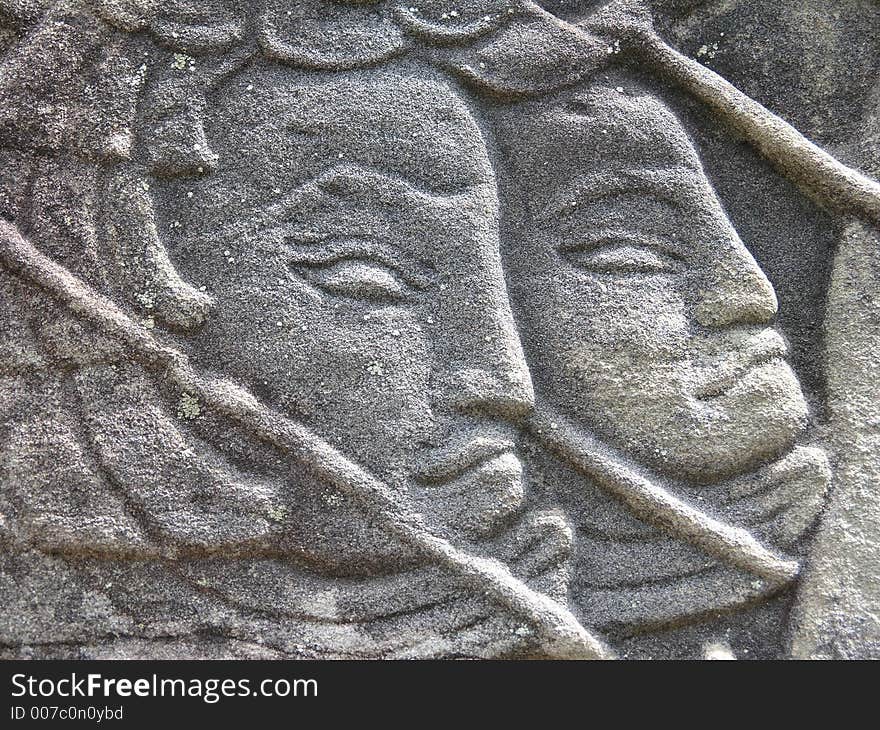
(143, 272)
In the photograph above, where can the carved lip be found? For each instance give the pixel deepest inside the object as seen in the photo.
(764, 348)
(463, 454)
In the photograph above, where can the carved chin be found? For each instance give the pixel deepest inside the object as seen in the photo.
(661, 422)
(759, 418)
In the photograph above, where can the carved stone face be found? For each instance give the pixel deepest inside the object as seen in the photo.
(349, 238)
(644, 316)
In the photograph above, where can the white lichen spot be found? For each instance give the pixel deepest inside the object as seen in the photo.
(181, 60)
(147, 299)
(375, 368)
(188, 407)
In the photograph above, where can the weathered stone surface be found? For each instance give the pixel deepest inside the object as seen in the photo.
(451, 329)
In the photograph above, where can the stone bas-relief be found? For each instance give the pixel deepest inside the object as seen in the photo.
(377, 331)
(647, 321)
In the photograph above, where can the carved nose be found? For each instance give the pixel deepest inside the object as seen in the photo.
(487, 372)
(736, 291)
(506, 393)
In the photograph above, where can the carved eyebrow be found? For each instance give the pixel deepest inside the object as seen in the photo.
(660, 183)
(354, 177)
(349, 178)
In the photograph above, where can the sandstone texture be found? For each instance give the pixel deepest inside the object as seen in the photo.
(439, 329)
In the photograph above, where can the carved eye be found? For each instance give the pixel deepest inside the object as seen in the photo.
(625, 258)
(363, 269)
(356, 278)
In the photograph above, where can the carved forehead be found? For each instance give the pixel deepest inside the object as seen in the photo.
(604, 126)
(418, 128)
(626, 121)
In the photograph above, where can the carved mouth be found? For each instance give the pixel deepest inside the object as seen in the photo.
(766, 348)
(464, 455)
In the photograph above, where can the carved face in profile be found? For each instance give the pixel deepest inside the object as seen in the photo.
(645, 318)
(349, 239)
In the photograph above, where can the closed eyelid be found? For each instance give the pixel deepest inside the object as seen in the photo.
(612, 237)
(356, 279)
(314, 250)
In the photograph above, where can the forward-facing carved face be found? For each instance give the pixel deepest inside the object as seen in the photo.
(349, 238)
(644, 316)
